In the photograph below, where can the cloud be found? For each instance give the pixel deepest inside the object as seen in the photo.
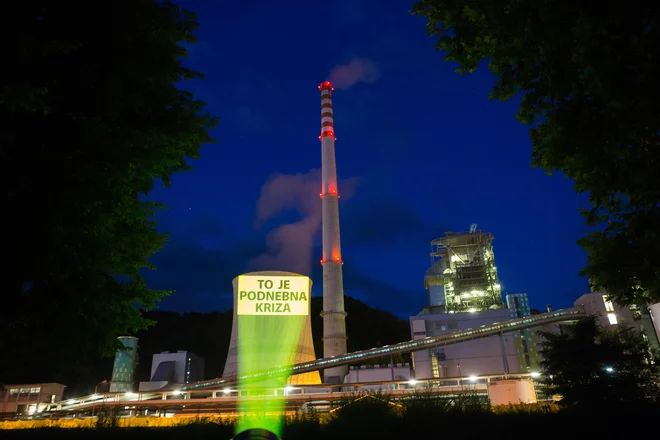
(290, 246)
(358, 70)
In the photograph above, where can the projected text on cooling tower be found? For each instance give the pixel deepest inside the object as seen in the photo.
(272, 295)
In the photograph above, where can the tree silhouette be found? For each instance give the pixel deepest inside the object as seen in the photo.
(93, 116)
(590, 366)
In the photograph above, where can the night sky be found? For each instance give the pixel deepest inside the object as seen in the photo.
(420, 151)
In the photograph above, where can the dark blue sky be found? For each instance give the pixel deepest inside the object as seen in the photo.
(421, 149)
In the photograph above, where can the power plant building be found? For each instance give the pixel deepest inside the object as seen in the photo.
(463, 276)
(123, 369)
(487, 356)
(464, 292)
(174, 368)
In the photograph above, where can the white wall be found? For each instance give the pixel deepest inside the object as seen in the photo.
(477, 357)
(152, 386)
(654, 311)
(480, 357)
(179, 359)
(383, 373)
(594, 304)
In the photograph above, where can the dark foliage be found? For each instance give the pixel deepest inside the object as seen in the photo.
(593, 367)
(92, 118)
(372, 420)
(587, 73)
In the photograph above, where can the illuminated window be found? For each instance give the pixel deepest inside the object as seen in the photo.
(35, 390)
(608, 304)
(612, 318)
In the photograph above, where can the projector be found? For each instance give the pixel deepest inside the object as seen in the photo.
(256, 434)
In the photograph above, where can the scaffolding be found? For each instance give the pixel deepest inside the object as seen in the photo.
(463, 275)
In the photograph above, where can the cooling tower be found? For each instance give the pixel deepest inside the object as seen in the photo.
(274, 308)
(123, 369)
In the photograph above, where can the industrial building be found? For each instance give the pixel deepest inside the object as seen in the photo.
(29, 398)
(487, 356)
(464, 292)
(123, 369)
(608, 313)
(174, 368)
(526, 346)
(463, 276)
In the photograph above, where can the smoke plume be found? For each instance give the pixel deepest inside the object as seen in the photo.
(358, 70)
(290, 246)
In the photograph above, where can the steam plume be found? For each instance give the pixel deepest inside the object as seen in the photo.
(358, 70)
(290, 246)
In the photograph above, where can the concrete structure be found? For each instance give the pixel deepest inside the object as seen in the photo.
(304, 351)
(172, 368)
(463, 275)
(646, 323)
(488, 356)
(654, 314)
(528, 357)
(29, 398)
(609, 314)
(334, 315)
(378, 373)
(123, 369)
(506, 392)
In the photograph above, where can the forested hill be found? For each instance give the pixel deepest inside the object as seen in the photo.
(207, 335)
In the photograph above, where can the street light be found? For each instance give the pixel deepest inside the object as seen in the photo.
(96, 388)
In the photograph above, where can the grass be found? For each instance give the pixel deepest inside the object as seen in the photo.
(369, 416)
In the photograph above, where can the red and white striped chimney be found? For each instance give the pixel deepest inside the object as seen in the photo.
(334, 316)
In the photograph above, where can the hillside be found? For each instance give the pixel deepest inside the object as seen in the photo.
(207, 335)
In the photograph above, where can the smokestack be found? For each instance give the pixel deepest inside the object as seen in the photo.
(334, 316)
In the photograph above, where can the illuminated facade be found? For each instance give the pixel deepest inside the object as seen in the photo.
(334, 315)
(123, 369)
(260, 343)
(463, 276)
